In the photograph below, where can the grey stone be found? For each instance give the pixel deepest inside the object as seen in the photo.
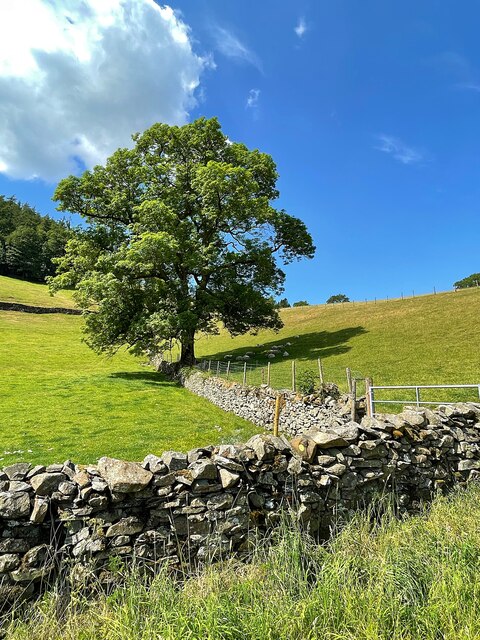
(124, 477)
(326, 440)
(98, 484)
(8, 562)
(67, 488)
(17, 471)
(262, 446)
(203, 470)
(17, 485)
(228, 479)
(40, 510)
(174, 460)
(14, 545)
(44, 484)
(337, 469)
(154, 464)
(125, 527)
(467, 465)
(14, 505)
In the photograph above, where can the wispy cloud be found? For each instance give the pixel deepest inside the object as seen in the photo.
(468, 86)
(399, 150)
(462, 72)
(301, 27)
(231, 46)
(252, 99)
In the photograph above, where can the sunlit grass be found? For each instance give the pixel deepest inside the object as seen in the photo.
(60, 400)
(425, 340)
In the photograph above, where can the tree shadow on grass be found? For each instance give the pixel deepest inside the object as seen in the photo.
(153, 378)
(308, 346)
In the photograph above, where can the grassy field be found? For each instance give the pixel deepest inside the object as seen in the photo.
(432, 339)
(59, 400)
(416, 579)
(13, 290)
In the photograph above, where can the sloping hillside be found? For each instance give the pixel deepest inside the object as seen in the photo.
(432, 339)
(23, 292)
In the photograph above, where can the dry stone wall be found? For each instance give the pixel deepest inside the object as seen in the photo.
(257, 404)
(212, 501)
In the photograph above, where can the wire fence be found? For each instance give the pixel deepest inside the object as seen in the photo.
(294, 375)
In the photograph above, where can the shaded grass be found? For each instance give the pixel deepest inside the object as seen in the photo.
(60, 400)
(391, 580)
(24, 292)
(425, 340)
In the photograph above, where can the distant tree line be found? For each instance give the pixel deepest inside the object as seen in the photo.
(29, 241)
(285, 304)
(470, 281)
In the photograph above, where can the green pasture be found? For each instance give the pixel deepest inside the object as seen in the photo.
(60, 400)
(432, 339)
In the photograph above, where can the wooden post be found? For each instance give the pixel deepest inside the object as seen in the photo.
(353, 396)
(244, 374)
(228, 369)
(293, 376)
(218, 367)
(276, 417)
(268, 373)
(349, 379)
(209, 366)
(320, 370)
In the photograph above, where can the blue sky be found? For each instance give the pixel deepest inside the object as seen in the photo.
(370, 110)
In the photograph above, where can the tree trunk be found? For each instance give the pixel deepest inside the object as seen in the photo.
(187, 357)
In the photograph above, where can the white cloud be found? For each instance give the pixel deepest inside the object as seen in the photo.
(252, 99)
(398, 150)
(78, 78)
(301, 27)
(229, 45)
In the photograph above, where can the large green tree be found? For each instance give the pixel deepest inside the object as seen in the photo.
(181, 234)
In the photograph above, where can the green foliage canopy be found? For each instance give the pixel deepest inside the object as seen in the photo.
(339, 297)
(283, 303)
(182, 234)
(29, 242)
(470, 281)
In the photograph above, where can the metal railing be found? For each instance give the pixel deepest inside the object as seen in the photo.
(372, 401)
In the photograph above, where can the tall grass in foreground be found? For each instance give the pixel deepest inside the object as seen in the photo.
(416, 578)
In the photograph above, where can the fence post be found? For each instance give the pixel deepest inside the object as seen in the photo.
(209, 366)
(417, 395)
(268, 374)
(349, 379)
(353, 396)
(320, 370)
(228, 369)
(218, 367)
(244, 374)
(368, 396)
(276, 417)
(293, 376)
